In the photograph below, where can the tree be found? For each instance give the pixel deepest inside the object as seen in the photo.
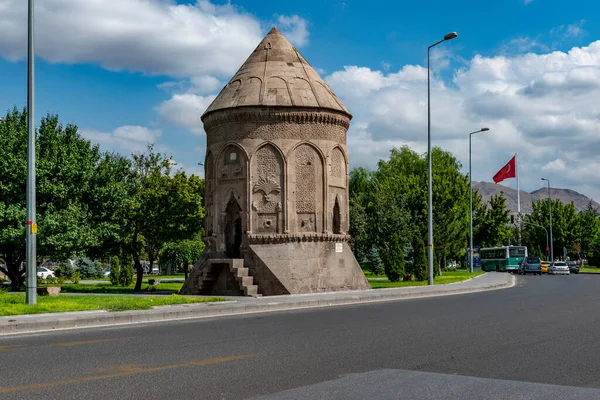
(115, 271)
(375, 262)
(494, 229)
(126, 272)
(164, 208)
(393, 259)
(182, 253)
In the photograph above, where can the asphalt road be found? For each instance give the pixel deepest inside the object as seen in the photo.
(538, 340)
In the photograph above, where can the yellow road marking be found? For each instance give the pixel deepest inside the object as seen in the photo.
(129, 369)
(60, 344)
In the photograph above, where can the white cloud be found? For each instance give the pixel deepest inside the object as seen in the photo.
(150, 36)
(185, 110)
(569, 31)
(541, 106)
(294, 28)
(124, 139)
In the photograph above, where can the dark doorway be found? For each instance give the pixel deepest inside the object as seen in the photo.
(337, 229)
(233, 229)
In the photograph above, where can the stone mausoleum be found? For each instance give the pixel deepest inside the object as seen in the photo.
(276, 173)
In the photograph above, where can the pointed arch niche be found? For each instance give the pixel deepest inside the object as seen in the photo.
(267, 190)
(308, 179)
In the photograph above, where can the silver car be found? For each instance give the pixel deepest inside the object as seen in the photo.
(558, 267)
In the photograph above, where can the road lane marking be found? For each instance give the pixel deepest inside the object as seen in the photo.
(125, 370)
(59, 344)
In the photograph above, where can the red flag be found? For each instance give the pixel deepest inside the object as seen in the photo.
(508, 171)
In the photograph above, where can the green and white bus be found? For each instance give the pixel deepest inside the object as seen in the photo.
(507, 258)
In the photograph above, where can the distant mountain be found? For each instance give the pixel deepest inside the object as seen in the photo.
(488, 189)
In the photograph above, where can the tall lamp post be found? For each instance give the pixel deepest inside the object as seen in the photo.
(31, 228)
(471, 201)
(550, 206)
(448, 36)
(540, 226)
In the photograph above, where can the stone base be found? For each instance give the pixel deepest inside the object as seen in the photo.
(305, 267)
(280, 266)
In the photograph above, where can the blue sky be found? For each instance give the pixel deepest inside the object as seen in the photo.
(141, 71)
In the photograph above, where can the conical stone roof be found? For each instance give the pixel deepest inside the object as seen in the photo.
(276, 74)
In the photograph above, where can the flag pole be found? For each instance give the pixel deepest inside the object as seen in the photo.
(518, 197)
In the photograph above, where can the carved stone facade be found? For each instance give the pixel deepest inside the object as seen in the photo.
(276, 178)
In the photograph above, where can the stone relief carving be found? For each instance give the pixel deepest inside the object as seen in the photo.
(306, 170)
(232, 167)
(266, 199)
(208, 170)
(337, 159)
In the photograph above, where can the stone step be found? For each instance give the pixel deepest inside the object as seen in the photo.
(246, 280)
(251, 290)
(239, 272)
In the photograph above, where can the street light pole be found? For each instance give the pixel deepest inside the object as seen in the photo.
(31, 228)
(448, 36)
(550, 205)
(544, 228)
(471, 201)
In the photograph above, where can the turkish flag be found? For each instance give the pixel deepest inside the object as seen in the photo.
(508, 171)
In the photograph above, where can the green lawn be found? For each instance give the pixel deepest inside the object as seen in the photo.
(146, 277)
(108, 288)
(14, 304)
(590, 269)
(447, 277)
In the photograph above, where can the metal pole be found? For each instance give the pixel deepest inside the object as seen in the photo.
(429, 178)
(470, 209)
(448, 36)
(551, 241)
(31, 228)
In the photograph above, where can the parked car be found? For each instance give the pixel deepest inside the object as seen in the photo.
(44, 273)
(545, 265)
(558, 267)
(573, 267)
(107, 272)
(530, 265)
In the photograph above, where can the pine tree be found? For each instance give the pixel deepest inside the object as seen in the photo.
(394, 259)
(115, 271)
(375, 263)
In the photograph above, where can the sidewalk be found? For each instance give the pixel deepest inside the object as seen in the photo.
(244, 305)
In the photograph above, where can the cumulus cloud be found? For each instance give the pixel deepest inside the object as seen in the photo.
(124, 139)
(184, 110)
(294, 28)
(541, 106)
(151, 36)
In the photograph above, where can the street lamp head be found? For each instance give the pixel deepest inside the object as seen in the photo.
(485, 129)
(544, 179)
(450, 35)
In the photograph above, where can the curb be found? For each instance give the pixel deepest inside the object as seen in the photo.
(35, 323)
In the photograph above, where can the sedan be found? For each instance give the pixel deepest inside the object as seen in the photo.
(530, 265)
(545, 265)
(44, 273)
(558, 267)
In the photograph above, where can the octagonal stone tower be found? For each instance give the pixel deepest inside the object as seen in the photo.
(276, 177)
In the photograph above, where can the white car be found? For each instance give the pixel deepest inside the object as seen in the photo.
(44, 273)
(558, 267)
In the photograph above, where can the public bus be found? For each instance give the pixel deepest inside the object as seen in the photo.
(506, 258)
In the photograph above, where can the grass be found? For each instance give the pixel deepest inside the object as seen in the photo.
(146, 277)
(447, 277)
(172, 287)
(14, 304)
(590, 269)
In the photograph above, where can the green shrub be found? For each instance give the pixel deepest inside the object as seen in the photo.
(89, 269)
(126, 273)
(393, 259)
(375, 263)
(65, 271)
(115, 270)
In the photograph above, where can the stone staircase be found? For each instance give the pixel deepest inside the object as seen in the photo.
(243, 277)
